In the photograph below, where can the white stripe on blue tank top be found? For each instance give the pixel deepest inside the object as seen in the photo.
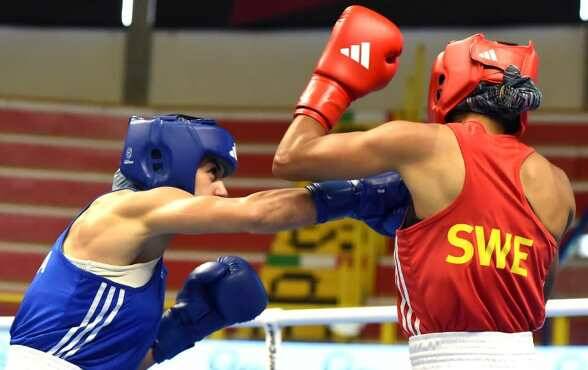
(70, 343)
(94, 333)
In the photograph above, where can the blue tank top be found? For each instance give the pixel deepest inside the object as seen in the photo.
(86, 319)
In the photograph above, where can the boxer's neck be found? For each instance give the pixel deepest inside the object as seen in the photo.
(492, 126)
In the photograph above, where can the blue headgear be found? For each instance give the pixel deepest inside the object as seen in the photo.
(167, 150)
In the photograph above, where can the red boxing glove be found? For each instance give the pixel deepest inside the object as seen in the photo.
(360, 57)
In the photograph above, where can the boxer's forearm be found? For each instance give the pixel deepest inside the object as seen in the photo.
(282, 209)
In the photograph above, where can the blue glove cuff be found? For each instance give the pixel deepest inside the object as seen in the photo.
(334, 199)
(363, 199)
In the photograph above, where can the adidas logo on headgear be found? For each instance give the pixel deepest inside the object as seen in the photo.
(359, 53)
(233, 152)
(488, 54)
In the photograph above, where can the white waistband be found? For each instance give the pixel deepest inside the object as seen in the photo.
(26, 358)
(472, 350)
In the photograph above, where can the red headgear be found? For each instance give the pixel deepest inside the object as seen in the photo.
(459, 69)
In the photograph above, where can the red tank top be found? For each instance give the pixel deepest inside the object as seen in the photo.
(481, 263)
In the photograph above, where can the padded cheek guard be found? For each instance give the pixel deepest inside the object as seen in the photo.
(464, 64)
(167, 150)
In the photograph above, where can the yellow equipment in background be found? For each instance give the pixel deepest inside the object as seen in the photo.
(327, 265)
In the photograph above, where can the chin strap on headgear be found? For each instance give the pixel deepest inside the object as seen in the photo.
(167, 150)
(468, 67)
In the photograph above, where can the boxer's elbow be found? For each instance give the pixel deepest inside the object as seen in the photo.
(280, 165)
(285, 166)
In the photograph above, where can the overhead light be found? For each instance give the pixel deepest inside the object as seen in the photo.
(126, 13)
(584, 10)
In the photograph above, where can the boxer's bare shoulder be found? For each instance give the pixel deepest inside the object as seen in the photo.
(438, 177)
(111, 230)
(549, 193)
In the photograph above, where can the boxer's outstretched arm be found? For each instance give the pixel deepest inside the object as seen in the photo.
(305, 152)
(172, 211)
(167, 210)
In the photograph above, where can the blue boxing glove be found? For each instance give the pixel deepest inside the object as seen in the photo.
(215, 295)
(380, 201)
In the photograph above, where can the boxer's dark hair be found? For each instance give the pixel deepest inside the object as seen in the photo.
(503, 102)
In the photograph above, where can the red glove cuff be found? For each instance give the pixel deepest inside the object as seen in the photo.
(324, 100)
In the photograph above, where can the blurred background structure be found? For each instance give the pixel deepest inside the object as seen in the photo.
(71, 72)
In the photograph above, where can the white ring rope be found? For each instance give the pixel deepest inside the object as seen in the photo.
(377, 314)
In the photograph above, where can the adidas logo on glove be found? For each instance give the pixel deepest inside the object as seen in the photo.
(359, 53)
